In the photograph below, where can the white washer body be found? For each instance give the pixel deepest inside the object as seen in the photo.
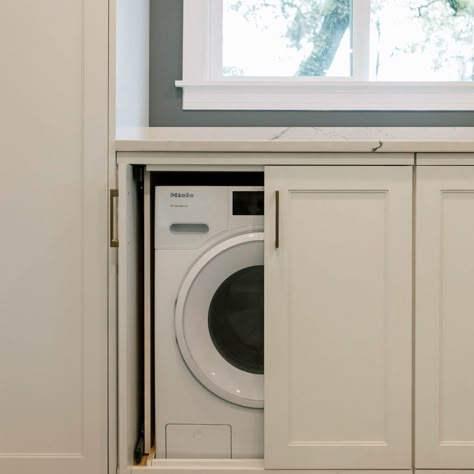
(206, 407)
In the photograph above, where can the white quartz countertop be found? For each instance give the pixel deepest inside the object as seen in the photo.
(297, 139)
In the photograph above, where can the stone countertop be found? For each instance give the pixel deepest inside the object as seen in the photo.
(297, 139)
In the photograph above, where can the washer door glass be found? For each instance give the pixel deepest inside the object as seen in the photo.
(236, 319)
(219, 320)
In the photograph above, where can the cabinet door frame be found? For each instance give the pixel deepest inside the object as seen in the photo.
(441, 191)
(394, 452)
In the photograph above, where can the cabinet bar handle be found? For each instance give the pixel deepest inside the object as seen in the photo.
(113, 195)
(277, 219)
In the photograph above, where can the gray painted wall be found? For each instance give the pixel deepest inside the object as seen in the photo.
(166, 44)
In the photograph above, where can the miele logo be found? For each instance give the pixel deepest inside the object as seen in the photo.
(181, 195)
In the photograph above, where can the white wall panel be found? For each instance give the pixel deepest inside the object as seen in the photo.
(53, 202)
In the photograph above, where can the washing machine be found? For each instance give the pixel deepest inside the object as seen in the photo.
(209, 322)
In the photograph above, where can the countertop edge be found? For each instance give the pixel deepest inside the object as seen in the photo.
(296, 146)
(296, 139)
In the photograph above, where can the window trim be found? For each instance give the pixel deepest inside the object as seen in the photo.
(201, 90)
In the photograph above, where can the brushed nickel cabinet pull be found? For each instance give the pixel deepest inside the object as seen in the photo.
(277, 219)
(114, 193)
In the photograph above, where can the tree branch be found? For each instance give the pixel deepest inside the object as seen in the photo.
(326, 41)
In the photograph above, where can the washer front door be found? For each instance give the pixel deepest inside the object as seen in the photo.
(219, 320)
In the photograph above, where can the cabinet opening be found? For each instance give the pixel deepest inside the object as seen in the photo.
(174, 405)
(193, 414)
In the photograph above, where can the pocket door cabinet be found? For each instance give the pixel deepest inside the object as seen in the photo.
(366, 368)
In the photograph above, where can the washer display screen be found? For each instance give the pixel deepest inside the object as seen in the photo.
(236, 319)
(247, 203)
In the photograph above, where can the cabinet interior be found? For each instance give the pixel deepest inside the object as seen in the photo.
(136, 351)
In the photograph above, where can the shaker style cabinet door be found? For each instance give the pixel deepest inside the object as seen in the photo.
(444, 321)
(338, 317)
(53, 207)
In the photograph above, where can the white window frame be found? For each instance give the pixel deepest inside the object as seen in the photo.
(204, 88)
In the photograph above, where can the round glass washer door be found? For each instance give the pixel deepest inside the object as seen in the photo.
(219, 320)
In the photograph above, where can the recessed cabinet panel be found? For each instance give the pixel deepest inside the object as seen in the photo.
(445, 318)
(42, 279)
(338, 318)
(341, 335)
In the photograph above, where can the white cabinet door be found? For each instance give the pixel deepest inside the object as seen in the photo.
(338, 317)
(444, 322)
(53, 253)
(130, 384)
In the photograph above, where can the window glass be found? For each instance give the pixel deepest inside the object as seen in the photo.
(422, 40)
(287, 38)
(409, 40)
(236, 319)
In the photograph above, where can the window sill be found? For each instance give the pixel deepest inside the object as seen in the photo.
(325, 95)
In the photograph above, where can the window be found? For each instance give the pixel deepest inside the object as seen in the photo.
(328, 55)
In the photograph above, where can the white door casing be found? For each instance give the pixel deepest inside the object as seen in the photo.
(338, 317)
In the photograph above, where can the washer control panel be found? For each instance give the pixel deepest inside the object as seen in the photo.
(189, 216)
